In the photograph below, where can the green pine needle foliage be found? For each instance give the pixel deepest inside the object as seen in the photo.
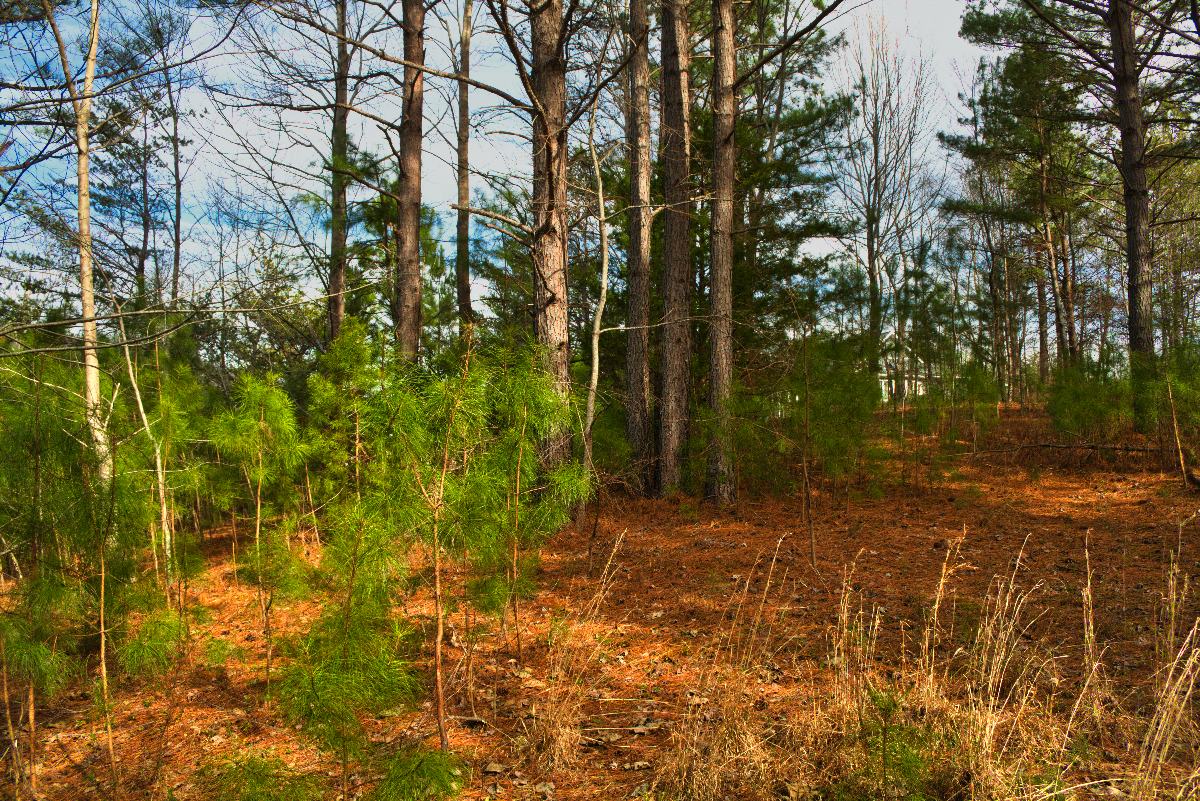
(350, 664)
(353, 661)
(491, 593)
(271, 563)
(259, 437)
(457, 446)
(255, 777)
(1181, 371)
(823, 406)
(1089, 404)
(219, 652)
(155, 644)
(444, 456)
(189, 559)
(59, 522)
(419, 774)
(30, 660)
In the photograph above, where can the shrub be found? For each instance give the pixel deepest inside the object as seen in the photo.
(417, 774)
(1086, 403)
(445, 457)
(259, 436)
(353, 659)
(254, 777)
(271, 565)
(156, 644)
(1180, 385)
(823, 407)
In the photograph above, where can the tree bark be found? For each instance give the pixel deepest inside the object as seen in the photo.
(91, 359)
(721, 484)
(1055, 292)
(462, 257)
(1043, 327)
(874, 292)
(147, 218)
(81, 102)
(1048, 246)
(1068, 296)
(177, 185)
(339, 155)
(637, 353)
(999, 315)
(1126, 75)
(1013, 330)
(675, 133)
(598, 317)
(548, 79)
(408, 201)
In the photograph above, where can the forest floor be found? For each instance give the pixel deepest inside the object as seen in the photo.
(687, 586)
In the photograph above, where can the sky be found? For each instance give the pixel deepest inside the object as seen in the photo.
(922, 27)
(930, 27)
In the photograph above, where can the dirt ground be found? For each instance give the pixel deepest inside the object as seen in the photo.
(681, 572)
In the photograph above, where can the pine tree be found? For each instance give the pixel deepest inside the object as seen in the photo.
(73, 544)
(260, 438)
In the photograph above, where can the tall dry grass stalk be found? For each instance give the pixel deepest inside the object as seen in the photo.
(722, 745)
(853, 642)
(1170, 626)
(1095, 693)
(554, 733)
(988, 718)
(931, 639)
(1172, 723)
(1007, 713)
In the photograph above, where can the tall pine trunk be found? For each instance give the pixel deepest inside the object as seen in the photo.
(408, 201)
(1047, 233)
(338, 165)
(147, 219)
(549, 247)
(676, 136)
(1043, 327)
(91, 339)
(637, 354)
(721, 485)
(177, 186)
(462, 244)
(1126, 75)
(874, 293)
(1068, 295)
(1055, 292)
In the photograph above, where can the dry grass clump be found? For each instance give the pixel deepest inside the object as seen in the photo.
(726, 748)
(553, 733)
(1172, 726)
(989, 720)
(1172, 736)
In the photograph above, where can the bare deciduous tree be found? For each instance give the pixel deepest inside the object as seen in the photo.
(888, 139)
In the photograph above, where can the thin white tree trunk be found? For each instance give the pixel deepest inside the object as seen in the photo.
(160, 473)
(81, 101)
(598, 320)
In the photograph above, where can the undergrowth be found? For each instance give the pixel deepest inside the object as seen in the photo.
(988, 720)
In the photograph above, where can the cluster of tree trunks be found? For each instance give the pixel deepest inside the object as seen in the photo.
(658, 414)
